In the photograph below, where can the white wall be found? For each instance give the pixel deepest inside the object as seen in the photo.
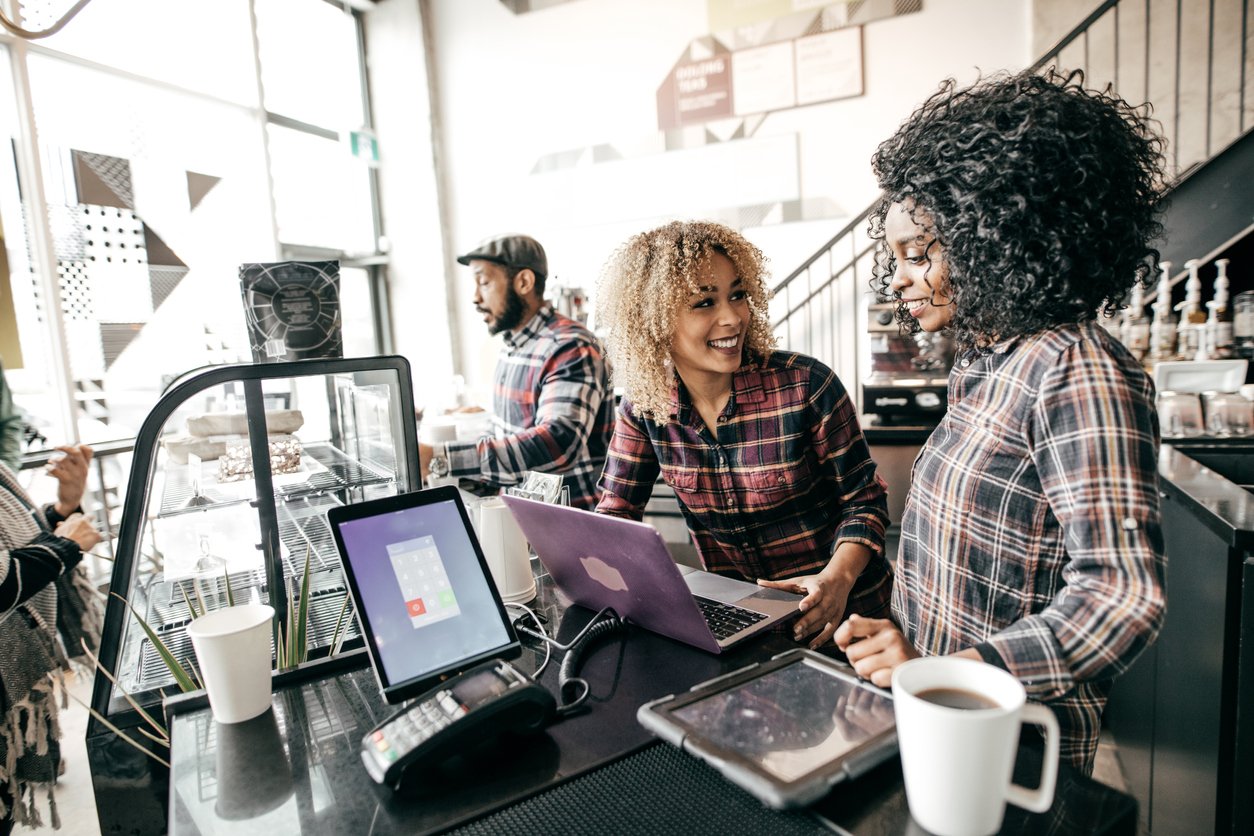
(514, 88)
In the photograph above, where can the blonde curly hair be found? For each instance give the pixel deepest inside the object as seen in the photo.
(641, 290)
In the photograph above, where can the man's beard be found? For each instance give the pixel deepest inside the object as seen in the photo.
(512, 316)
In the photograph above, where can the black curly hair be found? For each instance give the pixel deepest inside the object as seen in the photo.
(1043, 195)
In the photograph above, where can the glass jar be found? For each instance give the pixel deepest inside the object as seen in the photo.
(1227, 414)
(1243, 324)
(1179, 414)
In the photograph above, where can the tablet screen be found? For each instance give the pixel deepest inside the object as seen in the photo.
(425, 600)
(790, 721)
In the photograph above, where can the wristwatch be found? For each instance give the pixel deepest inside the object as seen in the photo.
(437, 467)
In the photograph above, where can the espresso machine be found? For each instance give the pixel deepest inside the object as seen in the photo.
(909, 372)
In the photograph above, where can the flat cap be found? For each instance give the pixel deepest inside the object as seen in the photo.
(517, 251)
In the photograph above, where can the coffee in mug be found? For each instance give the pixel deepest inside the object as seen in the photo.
(956, 698)
(958, 732)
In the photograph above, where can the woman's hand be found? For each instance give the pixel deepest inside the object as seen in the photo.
(80, 529)
(823, 605)
(874, 647)
(70, 471)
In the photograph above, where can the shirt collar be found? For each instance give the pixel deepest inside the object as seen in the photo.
(533, 327)
(747, 388)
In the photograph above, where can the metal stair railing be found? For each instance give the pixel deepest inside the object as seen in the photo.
(1190, 63)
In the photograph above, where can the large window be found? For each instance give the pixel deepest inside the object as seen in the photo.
(156, 147)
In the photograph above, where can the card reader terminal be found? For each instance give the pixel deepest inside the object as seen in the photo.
(483, 702)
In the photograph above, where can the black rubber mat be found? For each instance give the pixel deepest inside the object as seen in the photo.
(659, 790)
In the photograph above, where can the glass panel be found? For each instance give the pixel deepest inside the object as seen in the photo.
(155, 199)
(357, 313)
(321, 192)
(31, 380)
(310, 67)
(199, 527)
(205, 47)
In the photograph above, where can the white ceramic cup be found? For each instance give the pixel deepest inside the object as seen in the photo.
(505, 547)
(233, 654)
(957, 762)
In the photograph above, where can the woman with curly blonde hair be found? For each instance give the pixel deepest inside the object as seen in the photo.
(762, 447)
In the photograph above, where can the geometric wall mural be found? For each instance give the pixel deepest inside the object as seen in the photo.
(199, 185)
(114, 270)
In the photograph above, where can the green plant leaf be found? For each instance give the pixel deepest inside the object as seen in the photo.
(302, 613)
(336, 636)
(226, 580)
(160, 741)
(121, 733)
(176, 670)
(190, 606)
(200, 598)
(148, 718)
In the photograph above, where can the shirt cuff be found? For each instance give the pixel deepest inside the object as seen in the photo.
(463, 458)
(990, 655)
(67, 550)
(54, 519)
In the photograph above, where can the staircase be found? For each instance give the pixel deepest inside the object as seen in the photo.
(1188, 57)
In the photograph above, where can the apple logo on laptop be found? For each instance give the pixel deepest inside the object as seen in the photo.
(603, 573)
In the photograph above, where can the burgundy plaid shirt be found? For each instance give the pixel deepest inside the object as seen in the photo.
(553, 409)
(783, 479)
(1031, 531)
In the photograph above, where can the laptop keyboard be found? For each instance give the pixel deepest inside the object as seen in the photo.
(725, 619)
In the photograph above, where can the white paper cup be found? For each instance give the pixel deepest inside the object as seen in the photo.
(505, 547)
(233, 654)
(957, 762)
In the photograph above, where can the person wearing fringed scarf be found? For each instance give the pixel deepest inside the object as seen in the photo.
(47, 610)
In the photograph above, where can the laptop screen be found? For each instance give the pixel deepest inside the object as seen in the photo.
(424, 595)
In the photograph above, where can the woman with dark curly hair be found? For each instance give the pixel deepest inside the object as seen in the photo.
(762, 447)
(1013, 211)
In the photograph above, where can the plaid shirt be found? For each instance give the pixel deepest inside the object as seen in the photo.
(783, 479)
(1032, 530)
(553, 409)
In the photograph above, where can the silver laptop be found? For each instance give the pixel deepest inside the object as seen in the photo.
(603, 561)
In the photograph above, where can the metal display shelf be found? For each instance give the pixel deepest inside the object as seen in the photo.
(184, 535)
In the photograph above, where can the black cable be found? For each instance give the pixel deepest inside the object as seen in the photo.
(568, 680)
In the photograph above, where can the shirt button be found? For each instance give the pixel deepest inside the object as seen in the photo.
(966, 363)
(1130, 524)
(722, 419)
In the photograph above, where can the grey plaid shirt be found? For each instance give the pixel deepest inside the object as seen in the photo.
(1032, 529)
(553, 409)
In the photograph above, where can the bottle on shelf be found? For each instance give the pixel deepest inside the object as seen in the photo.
(1192, 322)
(1163, 328)
(1219, 337)
(1134, 329)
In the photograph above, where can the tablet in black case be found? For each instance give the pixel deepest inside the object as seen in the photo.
(785, 730)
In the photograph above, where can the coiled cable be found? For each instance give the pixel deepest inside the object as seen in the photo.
(573, 689)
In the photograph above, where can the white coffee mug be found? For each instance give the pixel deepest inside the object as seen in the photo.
(958, 762)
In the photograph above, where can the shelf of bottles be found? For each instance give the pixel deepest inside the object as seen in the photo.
(1221, 328)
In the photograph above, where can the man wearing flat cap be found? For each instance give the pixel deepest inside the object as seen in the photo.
(552, 402)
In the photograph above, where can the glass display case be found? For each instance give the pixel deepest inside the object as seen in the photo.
(234, 470)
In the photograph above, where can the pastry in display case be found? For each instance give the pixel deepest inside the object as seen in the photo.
(233, 472)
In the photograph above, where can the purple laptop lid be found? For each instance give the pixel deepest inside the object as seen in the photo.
(603, 561)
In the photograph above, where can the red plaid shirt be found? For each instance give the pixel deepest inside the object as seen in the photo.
(769, 493)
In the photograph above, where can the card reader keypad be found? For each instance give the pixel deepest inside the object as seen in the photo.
(725, 619)
(418, 723)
